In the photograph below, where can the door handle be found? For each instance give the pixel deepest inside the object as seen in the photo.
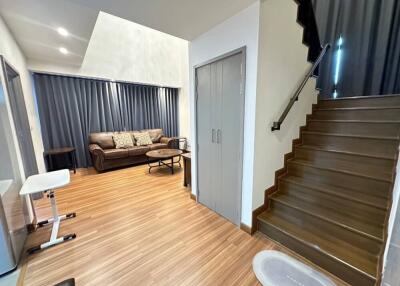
(219, 136)
(213, 135)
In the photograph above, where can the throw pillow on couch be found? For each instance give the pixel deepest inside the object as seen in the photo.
(123, 141)
(142, 139)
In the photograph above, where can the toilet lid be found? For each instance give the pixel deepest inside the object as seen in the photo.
(274, 268)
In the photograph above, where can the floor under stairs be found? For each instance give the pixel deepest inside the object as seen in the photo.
(332, 202)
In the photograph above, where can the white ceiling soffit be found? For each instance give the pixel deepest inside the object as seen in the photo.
(34, 24)
(186, 19)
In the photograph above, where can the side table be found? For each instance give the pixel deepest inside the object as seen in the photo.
(52, 153)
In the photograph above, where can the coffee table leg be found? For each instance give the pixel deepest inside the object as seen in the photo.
(148, 163)
(172, 165)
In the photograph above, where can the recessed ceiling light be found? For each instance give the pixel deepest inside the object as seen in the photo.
(62, 31)
(63, 50)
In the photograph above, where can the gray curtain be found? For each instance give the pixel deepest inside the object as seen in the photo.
(371, 46)
(169, 112)
(147, 107)
(71, 108)
(138, 106)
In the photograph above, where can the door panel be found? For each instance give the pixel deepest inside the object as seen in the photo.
(204, 136)
(231, 123)
(220, 105)
(216, 79)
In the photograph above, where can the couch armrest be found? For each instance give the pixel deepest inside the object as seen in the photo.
(95, 150)
(168, 140)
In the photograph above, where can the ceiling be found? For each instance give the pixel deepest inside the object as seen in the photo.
(34, 23)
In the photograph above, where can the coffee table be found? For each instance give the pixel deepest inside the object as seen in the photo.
(162, 155)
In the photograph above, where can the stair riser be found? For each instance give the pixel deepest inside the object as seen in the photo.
(339, 269)
(355, 128)
(374, 147)
(361, 164)
(328, 229)
(362, 102)
(351, 209)
(364, 114)
(360, 184)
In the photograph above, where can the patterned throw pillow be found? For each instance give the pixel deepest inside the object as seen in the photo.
(142, 139)
(123, 140)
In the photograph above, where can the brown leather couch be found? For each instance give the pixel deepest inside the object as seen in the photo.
(105, 156)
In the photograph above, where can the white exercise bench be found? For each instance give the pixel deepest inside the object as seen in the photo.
(49, 183)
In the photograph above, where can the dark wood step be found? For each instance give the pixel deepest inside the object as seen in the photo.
(358, 113)
(364, 213)
(356, 127)
(368, 236)
(349, 263)
(337, 178)
(361, 101)
(344, 193)
(375, 146)
(370, 166)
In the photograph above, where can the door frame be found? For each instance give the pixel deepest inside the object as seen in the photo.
(242, 51)
(4, 63)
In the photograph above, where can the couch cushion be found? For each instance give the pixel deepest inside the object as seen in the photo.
(115, 153)
(138, 150)
(156, 146)
(155, 134)
(103, 139)
(106, 142)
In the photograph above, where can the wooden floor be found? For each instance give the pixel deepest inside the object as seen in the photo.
(135, 228)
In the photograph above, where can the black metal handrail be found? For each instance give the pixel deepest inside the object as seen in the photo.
(277, 124)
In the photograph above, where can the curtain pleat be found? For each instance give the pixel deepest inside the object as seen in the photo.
(71, 108)
(371, 46)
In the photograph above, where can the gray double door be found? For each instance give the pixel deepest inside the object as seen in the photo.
(219, 110)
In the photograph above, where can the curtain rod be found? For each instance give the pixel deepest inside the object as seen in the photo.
(101, 79)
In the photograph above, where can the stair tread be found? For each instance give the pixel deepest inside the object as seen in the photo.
(350, 135)
(330, 214)
(351, 166)
(330, 149)
(356, 121)
(359, 259)
(378, 96)
(349, 194)
(358, 108)
(340, 170)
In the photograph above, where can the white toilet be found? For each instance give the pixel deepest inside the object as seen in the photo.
(274, 268)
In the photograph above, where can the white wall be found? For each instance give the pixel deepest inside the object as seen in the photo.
(126, 51)
(392, 249)
(282, 64)
(276, 63)
(13, 55)
(236, 32)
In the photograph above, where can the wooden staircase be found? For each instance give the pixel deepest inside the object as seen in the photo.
(332, 199)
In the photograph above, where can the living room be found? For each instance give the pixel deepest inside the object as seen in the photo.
(182, 143)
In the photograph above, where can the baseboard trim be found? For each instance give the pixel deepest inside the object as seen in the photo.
(193, 197)
(279, 173)
(256, 213)
(246, 228)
